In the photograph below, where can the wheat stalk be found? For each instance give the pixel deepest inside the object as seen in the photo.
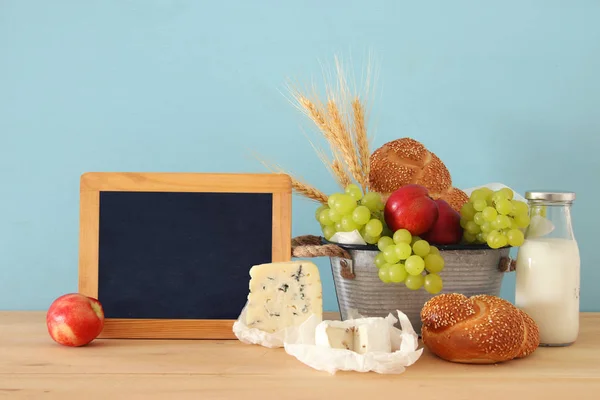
(335, 132)
(339, 171)
(300, 187)
(315, 113)
(361, 140)
(335, 167)
(343, 142)
(341, 120)
(338, 135)
(306, 190)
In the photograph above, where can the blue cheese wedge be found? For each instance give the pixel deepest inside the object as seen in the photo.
(364, 335)
(283, 294)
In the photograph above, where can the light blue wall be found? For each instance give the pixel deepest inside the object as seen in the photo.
(503, 91)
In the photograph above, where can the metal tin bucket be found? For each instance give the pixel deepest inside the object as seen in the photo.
(469, 270)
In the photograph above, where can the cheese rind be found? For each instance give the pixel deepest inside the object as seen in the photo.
(362, 336)
(283, 294)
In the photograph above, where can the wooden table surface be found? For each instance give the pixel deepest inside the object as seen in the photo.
(33, 366)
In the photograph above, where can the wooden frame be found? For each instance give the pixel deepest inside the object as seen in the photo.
(93, 183)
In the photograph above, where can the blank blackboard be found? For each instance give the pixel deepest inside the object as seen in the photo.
(161, 253)
(168, 255)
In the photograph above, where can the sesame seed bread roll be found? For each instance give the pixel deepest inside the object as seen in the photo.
(455, 197)
(406, 161)
(480, 329)
(532, 336)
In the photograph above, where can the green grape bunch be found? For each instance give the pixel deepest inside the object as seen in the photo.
(352, 210)
(408, 259)
(494, 218)
(402, 258)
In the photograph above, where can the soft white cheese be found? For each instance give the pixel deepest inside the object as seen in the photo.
(372, 334)
(335, 335)
(283, 294)
(364, 335)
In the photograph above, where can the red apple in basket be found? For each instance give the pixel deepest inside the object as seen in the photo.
(446, 229)
(411, 208)
(74, 319)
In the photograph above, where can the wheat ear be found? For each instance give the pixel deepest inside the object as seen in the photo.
(335, 167)
(298, 186)
(314, 113)
(362, 141)
(343, 141)
(308, 191)
(336, 134)
(339, 171)
(341, 119)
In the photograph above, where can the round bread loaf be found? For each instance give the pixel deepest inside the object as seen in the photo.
(480, 329)
(455, 197)
(406, 161)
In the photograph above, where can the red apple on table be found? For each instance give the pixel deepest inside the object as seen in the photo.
(446, 229)
(75, 320)
(411, 208)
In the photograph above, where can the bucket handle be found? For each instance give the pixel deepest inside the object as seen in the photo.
(507, 264)
(311, 246)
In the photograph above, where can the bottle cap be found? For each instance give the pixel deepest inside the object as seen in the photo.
(552, 196)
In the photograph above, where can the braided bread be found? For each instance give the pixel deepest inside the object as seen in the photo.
(404, 161)
(480, 329)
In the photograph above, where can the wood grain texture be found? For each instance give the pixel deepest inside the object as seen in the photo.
(33, 366)
(91, 184)
(89, 210)
(282, 226)
(185, 182)
(116, 328)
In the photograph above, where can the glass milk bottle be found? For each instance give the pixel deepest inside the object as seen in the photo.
(547, 270)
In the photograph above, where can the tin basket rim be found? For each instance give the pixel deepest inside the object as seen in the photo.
(372, 247)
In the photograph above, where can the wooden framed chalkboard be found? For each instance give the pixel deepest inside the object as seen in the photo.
(168, 254)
